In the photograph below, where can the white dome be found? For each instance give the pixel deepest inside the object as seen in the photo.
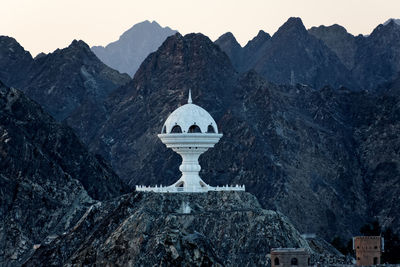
(188, 115)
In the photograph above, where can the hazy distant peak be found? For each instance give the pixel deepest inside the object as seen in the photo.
(127, 53)
(143, 27)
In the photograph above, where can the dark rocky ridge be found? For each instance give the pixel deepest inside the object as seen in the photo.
(65, 79)
(128, 52)
(293, 50)
(222, 228)
(372, 60)
(47, 177)
(15, 62)
(294, 147)
(61, 81)
(339, 41)
(227, 42)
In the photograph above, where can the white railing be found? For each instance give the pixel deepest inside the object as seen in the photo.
(197, 189)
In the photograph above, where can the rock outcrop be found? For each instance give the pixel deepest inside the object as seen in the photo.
(47, 177)
(219, 229)
(133, 46)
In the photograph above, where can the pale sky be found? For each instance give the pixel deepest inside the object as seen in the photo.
(44, 25)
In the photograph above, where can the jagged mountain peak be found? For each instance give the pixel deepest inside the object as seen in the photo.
(15, 61)
(332, 29)
(191, 47)
(12, 45)
(389, 28)
(397, 21)
(292, 26)
(64, 79)
(228, 37)
(258, 40)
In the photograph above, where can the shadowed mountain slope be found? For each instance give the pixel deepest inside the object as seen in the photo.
(47, 177)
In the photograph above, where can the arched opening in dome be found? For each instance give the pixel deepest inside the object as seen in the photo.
(194, 129)
(294, 261)
(276, 261)
(210, 129)
(202, 184)
(180, 184)
(176, 129)
(164, 129)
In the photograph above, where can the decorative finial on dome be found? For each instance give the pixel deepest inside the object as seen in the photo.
(190, 97)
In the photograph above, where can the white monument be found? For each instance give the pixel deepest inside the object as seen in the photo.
(190, 131)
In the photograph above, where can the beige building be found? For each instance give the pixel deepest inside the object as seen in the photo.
(368, 249)
(285, 257)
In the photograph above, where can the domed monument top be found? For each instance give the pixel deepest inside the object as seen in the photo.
(190, 118)
(190, 131)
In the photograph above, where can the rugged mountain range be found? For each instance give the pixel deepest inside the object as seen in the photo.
(298, 149)
(290, 54)
(295, 55)
(133, 46)
(327, 158)
(60, 81)
(47, 177)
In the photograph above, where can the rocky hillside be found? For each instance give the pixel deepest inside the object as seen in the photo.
(133, 46)
(216, 228)
(60, 81)
(47, 177)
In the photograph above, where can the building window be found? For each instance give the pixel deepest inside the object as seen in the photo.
(294, 261)
(276, 261)
(308, 262)
(194, 129)
(176, 129)
(375, 260)
(210, 129)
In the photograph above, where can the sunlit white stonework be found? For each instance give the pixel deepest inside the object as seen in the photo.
(190, 131)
